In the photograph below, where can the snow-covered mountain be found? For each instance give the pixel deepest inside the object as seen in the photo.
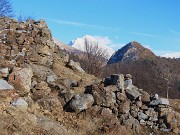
(79, 44)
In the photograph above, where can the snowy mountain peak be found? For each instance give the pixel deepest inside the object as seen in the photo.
(79, 43)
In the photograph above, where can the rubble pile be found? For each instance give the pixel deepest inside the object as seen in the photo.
(118, 99)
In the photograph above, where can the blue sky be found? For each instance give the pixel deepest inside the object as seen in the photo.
(153, 23)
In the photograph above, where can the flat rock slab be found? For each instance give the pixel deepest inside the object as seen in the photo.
(4, 85)
(161, 101)
(132, 93)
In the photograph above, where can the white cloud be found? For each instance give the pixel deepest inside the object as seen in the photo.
(145, 34)
(171, 55)
(148, 46)
(74, 23)
(174, 32)
(108, 42)
(103, 40)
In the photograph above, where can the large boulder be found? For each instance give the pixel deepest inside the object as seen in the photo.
(42, 72)
(81, 102)
(75, 66)
(21, 79)
(132, 93)
(41, 90)
(103, 96)
(118, 80)
(142, 115)
(160, 101)
(145, 97)
(124, 108)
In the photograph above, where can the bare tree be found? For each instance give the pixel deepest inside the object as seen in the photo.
(23, 18)
(94, 58)
(6, 8)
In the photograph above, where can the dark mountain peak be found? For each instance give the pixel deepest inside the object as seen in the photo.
(130, 52)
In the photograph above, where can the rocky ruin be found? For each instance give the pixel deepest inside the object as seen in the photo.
(43, 92)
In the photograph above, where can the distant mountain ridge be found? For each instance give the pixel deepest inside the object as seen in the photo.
(66, 47)
(131, 52)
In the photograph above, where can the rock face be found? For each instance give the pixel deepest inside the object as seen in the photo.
(131, 51)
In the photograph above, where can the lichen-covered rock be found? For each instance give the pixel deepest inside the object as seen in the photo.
(21, 79)
(103, 96)
(124, 107)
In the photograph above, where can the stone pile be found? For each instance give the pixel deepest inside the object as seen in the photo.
(116, 97)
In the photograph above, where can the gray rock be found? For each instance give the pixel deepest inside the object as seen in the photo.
(75, 66)
(141, 115)
(103, 96)
(164, 101)
(145, 97)
(149, 123)
(42, 72)
(154, 119)
(133, 124)
(118, 80)
(81, 102)
(154, 102)
(4, 85)
(4, 72)
(128, 84)
(20, 103)
(132, 93)
(161, 101)
(163, 126)
(51, 78)
(142, 122)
